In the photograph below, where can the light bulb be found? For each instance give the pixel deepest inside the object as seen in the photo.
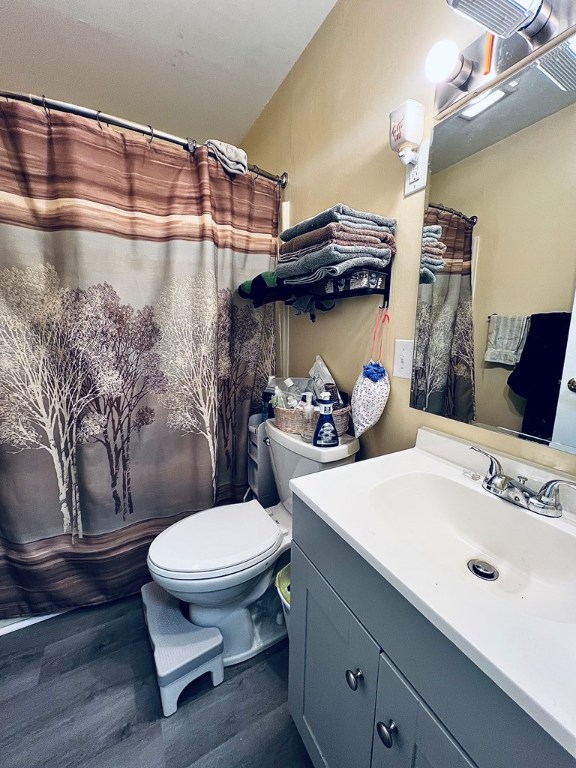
(443, 61)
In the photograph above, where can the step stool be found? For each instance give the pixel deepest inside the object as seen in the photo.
(182, 651)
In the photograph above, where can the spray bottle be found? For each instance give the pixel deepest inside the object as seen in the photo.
(325, 435)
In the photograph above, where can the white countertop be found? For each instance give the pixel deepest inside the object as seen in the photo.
(530, 654)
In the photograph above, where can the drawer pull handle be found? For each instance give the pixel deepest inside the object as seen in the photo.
(386, 732)
(352, 678)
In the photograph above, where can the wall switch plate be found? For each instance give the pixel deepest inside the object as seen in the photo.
(403, 352)
(417, 175)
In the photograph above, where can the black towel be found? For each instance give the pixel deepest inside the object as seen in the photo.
(538, 375)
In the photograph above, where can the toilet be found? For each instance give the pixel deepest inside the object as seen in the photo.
(221, 561)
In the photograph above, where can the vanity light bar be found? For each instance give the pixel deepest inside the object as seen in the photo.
(560, 65)
(481, 103)
(501, 17)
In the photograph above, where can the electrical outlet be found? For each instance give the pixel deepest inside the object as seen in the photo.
(416, 174)
(403, 352)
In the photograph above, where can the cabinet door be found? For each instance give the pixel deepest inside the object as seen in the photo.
(328, 648)
(406, 733)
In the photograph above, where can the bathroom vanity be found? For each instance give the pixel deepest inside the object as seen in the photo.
(436, 669)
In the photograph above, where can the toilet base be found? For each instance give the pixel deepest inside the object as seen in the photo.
(269, 628)
(246, 631)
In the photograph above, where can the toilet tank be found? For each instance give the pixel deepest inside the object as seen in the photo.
(292, 457)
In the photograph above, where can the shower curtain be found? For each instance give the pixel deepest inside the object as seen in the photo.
(128, 369)
(443, 376)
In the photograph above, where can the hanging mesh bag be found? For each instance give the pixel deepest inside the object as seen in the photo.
(372, 387)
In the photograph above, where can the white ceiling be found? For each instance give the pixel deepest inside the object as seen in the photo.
(198, 68)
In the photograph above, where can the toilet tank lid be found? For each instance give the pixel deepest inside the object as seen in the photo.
(216, 539)
(348, 445)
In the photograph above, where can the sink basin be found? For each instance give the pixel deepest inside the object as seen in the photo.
(450, 522)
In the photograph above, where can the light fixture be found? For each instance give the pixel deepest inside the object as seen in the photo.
(445, 63)
(559, 65)
(505, 17)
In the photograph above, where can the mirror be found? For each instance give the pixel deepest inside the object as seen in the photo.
(512, 166)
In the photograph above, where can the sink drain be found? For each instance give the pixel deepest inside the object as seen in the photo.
(483, 570)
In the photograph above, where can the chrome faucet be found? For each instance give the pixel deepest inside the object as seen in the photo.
(545, 502)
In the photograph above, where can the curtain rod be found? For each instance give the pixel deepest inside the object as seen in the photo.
(147, 130)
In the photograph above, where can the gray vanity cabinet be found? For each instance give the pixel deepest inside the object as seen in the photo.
(355, 710)
(415, 691)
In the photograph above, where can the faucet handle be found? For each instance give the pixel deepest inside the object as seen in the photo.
(547, 500)
(495, 467)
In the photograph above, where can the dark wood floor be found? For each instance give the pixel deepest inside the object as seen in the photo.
(80, 690)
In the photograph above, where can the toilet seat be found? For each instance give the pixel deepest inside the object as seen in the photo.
(215, 542)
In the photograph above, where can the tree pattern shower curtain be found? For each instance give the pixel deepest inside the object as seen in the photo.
(128, 368)
(443, 376)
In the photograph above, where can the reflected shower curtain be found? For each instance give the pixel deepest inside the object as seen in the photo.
(127, 367)
(443, 377)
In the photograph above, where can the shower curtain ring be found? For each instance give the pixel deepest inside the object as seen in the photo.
(46, 110)
(98, 120)
(150, 140)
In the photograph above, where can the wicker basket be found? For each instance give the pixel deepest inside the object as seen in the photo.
(341, 417)
(292, 420)
(289, 419)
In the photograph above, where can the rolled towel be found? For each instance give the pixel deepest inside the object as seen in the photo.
(231, 158)
(330, 254)
(339, 212)
(339, 233)
(506, 338)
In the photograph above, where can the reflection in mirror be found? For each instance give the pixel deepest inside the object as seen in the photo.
(493, 320)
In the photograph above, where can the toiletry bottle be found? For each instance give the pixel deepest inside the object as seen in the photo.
(278, 400)
(307, 418)
(325, 434)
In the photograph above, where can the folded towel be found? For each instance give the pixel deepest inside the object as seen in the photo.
(330, 254)
(427, 275)
(432, 263)
(432, 230)
(231, 158)
(434, 250)
(297, 255)
(506, 338)
(338, 232)
(339, 212)
(335, 270)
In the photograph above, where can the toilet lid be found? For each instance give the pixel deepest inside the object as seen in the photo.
(215, 542)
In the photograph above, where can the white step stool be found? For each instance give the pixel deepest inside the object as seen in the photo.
(182, 651)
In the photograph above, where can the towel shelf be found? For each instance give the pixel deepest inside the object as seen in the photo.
(334, 288)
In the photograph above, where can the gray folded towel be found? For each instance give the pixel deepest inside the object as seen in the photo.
(335, 270)
(339, 212)
(330, 254)
(506, 338)
(231, 158)
(432, 230)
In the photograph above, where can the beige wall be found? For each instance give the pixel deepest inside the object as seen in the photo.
(527, 231)
(327, 126)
